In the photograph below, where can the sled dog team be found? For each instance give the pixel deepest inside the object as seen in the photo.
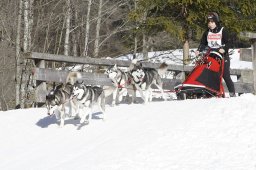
(80, 97)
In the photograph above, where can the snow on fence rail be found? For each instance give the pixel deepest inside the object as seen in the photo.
(42, 74)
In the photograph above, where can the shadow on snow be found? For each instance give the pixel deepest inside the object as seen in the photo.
(49, 120)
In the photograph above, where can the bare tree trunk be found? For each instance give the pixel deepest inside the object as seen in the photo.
(186, 53)
(98, 25)
(25, 48)
(30, 23)
(47, 35)
(3, 103)
(18, 66)
(26, 25)
(68, 16)
(74, 34)
(150, 44)
(144, 40)
(135, 38)
(61, 33)
(87, 28)
(26, 78)
(135, 47)
(186, 30)
(145, 46)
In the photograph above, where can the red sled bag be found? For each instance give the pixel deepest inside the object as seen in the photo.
(205, 80)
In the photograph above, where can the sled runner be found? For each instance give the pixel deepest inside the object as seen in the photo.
(205, 80)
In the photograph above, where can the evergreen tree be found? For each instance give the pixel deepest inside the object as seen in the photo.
(186, 19)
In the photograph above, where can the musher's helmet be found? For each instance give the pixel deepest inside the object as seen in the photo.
(213, 16)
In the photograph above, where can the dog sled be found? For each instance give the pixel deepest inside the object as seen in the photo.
(205, 80)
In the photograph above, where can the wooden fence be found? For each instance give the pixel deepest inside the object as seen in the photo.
(252, 37)
(245, 83)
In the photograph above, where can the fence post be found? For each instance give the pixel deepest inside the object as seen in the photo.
(40, 86)
(252, 37)
(254, 62)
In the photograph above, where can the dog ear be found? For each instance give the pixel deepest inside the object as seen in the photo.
(131, 67)
(57, 87)
(115, 67)
(49, 86)
(140, 65)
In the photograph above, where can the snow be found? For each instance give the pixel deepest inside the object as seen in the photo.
(201, 134)
(235, 62)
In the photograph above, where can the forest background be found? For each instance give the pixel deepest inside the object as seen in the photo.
(105, 28)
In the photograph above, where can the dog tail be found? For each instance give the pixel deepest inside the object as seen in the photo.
(73, 77)
(162, 68)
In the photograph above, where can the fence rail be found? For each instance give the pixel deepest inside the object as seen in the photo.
(108, 62)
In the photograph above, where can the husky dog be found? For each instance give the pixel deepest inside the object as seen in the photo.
(86, 96)
(72, 77)
(58, 99)
(143, 78)
(122, 82)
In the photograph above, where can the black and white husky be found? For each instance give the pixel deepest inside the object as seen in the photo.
(122, 82)
(144, 78)
(58, 99)
(86, 96)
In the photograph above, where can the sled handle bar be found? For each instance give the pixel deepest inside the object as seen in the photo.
(217, 53)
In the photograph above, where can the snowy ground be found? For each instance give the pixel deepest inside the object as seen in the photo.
(200, 134)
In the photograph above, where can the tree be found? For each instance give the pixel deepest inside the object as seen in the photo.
(181, 18)
(27, 42)
(98, 25)
(87, 29)
(18, 59)
(68, 18)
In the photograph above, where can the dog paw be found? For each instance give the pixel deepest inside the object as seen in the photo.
(86, 122)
